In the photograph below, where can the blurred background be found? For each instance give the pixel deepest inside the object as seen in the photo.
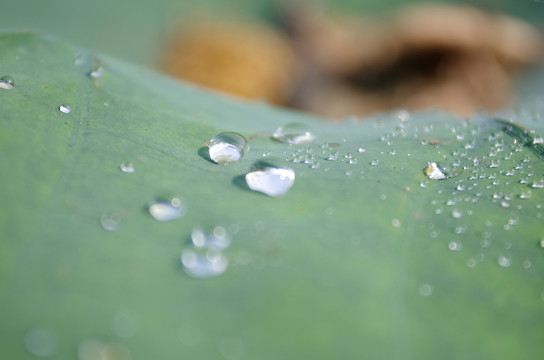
(333, 58)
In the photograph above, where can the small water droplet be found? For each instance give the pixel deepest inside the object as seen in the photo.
(541, 243)
(455, 246)
(294, 133)
(504, 260)
(270, 179)
(65, 109)
(97, 72)
(425, 290)
(395, 223)
(203, 262)
(525, 195)
(227, 147)
(110, 222)
(216, 239)
(7, 82)
(361, 150)
(39, 342)
(165, 210)
(538, 140)
(471, 263)
(457, 214)
(505, 204)
(433, 172)
(526, 264)
(127, 167)
(375, 162)
(538, 185)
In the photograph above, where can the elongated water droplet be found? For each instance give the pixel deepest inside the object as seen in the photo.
(127, 167)
(165, 210)
(294, 133)
(216, 239)
(65, 109)
(433, 172)
(7, 82)
(227, 147)
(203, 262)
(39, 342)
(270, 179)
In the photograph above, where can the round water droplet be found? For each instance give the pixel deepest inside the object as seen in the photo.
(110, 222)
(7, 82)
(227, 147)
(395, 222)
(504, 260)
(203, 263)
(294, 133)
(39, 342)
(455, 246)
(165, 210)
(216, 239)
(127, 167)
(65, 109)
(269, 178)
(433, 172)
(457, 214)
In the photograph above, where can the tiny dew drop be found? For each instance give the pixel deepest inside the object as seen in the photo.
(65, 109)
(127, 167)
(165, 210)
(227, 147)
(504, 260)
(425, 290)
(270, 178)
(96, 72)
(294, 133)
(7, 82)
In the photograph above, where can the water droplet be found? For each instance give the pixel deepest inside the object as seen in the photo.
(433, 172)
(216, 239)
(505, 204)
(7, 82)
(538, 185)
(457, 214)
(227, 147)
(504, 260)
(270, 179)
(541, 243)
(110, 222)
(203, 262)
(39, 342)
(455, 246)
(425, 290)
(362, 150)
(65, 109)
(165, 210)
(538, 140)
(471, 263)
(294, 133)
(127, 167)
(96, 72)
(526, 264)
(395, 222)
(525, 195)
(124, 324)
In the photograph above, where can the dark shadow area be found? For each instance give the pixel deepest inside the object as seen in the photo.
(240, 182)
(205, 154)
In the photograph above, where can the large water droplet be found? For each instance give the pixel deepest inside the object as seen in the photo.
(40, 342)
(294, 133)
(7, 82)
(270, 179)
(227, 147)
(217, 239)
(433, 172)
(203, 262)
(65, 109)
(165, 210)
